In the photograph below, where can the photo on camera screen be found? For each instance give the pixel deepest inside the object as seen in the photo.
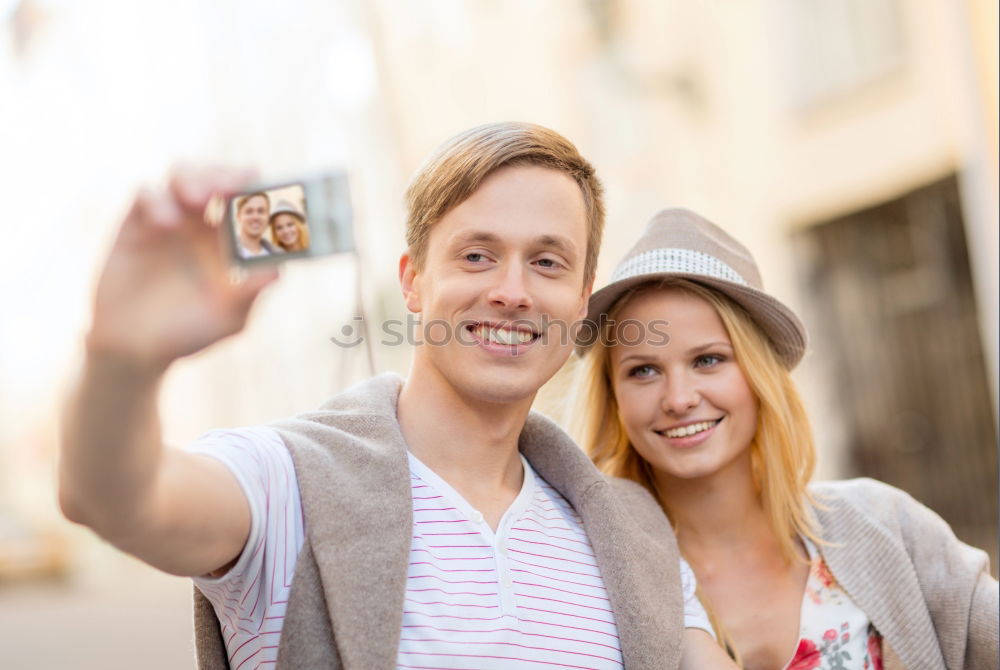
(273, 223)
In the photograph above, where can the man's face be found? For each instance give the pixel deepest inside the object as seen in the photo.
(253, 217)
(502, 285)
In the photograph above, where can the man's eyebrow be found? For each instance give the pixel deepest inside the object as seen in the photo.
(558, 242)
(477, 236)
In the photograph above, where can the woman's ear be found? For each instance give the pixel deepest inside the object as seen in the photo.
(409, 282)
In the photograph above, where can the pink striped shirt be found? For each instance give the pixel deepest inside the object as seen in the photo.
(250, 599)
(528, 595)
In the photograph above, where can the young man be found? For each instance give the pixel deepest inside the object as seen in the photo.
(253, 213)
(434, 522)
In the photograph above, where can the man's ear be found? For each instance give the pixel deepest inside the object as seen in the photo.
(587, 290)
(409, 282)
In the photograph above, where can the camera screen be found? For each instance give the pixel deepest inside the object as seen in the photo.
(270, 222)
(311, 217)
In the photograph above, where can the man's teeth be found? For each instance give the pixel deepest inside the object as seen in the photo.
(691, 429)
(503, 335)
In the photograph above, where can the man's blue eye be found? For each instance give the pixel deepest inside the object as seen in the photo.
(473, 258)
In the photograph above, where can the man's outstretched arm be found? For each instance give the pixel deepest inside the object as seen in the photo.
(165, 292)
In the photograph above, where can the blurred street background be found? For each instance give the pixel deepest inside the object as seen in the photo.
(851, 144)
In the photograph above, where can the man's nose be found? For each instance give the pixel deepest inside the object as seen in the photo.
(510, 291)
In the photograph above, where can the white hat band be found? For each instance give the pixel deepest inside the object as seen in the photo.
(676, 260)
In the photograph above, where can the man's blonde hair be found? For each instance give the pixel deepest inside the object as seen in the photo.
(460, 165)
(244, 199)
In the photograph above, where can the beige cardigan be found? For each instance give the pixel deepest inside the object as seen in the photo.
(351, 465)
(928, 594)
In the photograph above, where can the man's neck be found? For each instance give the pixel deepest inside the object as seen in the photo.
(251, 244)
(471, 444)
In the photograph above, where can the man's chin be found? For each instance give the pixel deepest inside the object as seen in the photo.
(502, 388)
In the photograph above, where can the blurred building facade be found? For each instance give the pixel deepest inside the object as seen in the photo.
(852, 144)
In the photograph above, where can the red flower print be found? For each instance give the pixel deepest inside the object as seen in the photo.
(824, 575)
(830, 635)
(875, 650)
(806, 657)
(845, 637)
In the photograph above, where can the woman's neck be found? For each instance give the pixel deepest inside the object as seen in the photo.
(720, 513)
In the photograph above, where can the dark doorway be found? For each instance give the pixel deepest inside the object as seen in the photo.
(892, 307)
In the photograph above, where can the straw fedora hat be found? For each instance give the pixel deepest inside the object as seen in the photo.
(287, 207)
(680, 243)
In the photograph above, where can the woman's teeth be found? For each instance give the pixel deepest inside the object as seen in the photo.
(691, 429)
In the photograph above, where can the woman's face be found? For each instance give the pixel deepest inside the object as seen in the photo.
(685, 404)
(286, 230)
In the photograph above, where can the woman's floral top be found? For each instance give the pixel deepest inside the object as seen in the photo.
(833, 633)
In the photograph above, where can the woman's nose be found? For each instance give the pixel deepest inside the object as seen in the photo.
(680, 394)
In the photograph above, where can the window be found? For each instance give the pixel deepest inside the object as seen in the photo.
(830, 47)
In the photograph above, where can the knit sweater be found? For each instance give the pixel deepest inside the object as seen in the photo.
(346, 601)
(928, 594)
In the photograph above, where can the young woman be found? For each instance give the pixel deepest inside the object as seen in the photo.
(687, 390)
(288, 228)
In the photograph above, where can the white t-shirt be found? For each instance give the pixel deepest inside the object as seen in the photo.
(265, 250)
(529, 594)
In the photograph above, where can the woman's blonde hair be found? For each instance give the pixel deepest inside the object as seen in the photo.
(303, 240)
(782, 452)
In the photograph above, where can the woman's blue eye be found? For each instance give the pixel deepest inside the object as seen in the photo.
(474, 258)
(708, 361)
(641, 371)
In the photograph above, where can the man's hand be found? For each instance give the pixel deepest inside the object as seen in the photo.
(166, 290)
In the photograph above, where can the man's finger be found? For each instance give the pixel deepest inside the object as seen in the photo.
(191, 189)
(156, 209)
(255, 282)
(194, 188)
